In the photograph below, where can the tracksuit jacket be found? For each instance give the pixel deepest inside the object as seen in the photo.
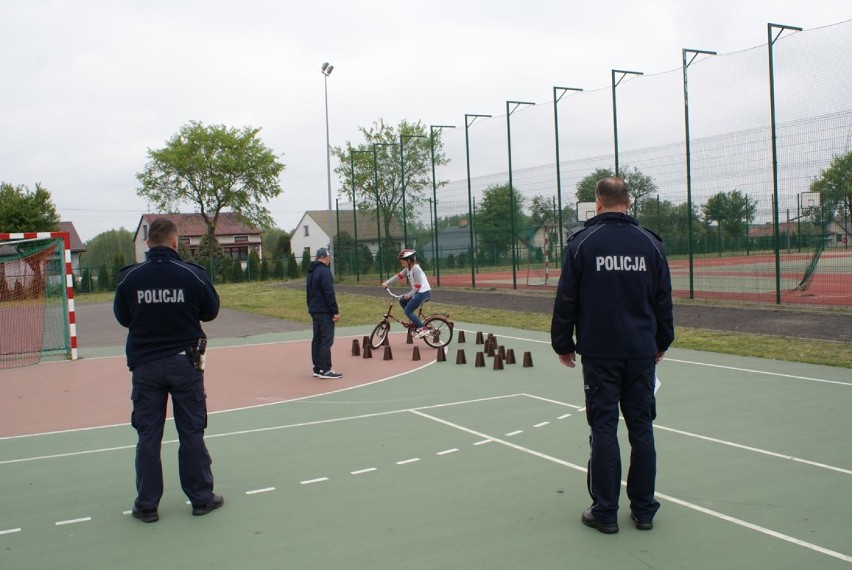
(320, 290)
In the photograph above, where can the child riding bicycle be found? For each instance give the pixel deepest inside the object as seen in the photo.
(420, 289)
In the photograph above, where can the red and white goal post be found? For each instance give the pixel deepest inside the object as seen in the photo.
(37, 315)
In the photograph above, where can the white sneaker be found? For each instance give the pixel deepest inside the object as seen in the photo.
(421, 332)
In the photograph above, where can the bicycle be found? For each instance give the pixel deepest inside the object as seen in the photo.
(440, 326)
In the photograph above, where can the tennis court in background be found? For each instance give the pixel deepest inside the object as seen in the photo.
(430, 464)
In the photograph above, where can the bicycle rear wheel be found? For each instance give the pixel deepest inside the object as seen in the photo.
(379, 334)
(440, 331)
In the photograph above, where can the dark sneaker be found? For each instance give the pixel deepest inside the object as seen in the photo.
(145, 516)
(329, 374)
(641, 525)
(589, 520)
(216, 502)
(316, 373)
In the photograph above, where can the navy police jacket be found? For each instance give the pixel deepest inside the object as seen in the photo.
(320, 290)
(614, 292)
(162, 301)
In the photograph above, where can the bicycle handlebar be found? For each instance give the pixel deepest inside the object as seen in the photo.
(392, 294)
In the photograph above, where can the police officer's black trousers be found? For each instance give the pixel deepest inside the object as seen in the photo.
(630, 383)
(152, 384)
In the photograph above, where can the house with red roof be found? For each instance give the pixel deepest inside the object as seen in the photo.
(238, 240)
(77, 246)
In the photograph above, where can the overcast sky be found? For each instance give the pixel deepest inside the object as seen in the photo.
(90, 86)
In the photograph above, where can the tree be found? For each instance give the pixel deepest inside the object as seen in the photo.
(493, 221)
(270, 238)
(641, 186)
(835, 189)
(586, 186)
(213, 168)
(105, 247)
(384, 140)
(22, 210)
(253, 267)
(670, 221)
(732, 211)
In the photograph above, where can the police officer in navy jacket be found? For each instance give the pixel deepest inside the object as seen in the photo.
(162, 301)
(615, 295)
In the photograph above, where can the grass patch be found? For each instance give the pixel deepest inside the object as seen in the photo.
(272, 300)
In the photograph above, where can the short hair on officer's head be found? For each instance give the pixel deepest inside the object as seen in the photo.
(162, 231)
(613, 191)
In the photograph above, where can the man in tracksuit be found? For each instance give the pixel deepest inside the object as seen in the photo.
(162, 301)
(322, 305)
(615, 293)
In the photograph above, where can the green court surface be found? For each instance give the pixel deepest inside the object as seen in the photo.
(454, 466)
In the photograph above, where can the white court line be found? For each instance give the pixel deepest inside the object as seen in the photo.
(541, 424)
(312, 481)
(73, 521)
(435, 406)
(447, 451)
(751, 370)
(407, 461)
(756, 450)
(483, 442)
(516, 432)
(362, 471)
(563, 416)
(693, 506)
(266, 429)
(736, 369)
(10, 531)
(257, 491)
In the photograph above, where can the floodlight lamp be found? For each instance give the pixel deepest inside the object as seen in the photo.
(327, 68)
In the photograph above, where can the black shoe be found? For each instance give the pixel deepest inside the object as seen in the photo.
(145, 516)
(641, 525)
(216, 502)
(588, 519)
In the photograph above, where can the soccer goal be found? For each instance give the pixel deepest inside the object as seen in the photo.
(36, 298)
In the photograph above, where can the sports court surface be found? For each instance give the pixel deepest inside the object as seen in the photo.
(426, 464)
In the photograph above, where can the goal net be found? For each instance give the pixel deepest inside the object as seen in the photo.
(36, 298)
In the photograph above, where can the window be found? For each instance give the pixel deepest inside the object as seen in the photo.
(307, 231)
(144, 232)
(240, 253)
(184, 240)
(240, 239)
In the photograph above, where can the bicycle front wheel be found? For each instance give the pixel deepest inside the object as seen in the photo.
(440, 331)
(380, 333)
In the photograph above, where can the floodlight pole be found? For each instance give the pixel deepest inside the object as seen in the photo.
(469, 119)
(511, 107)
(436, 253)
(615, 107)
(695, 53)
(326, 71)
(558, 93)
(775, 225)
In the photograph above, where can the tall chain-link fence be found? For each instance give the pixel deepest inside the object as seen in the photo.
(734, 246)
